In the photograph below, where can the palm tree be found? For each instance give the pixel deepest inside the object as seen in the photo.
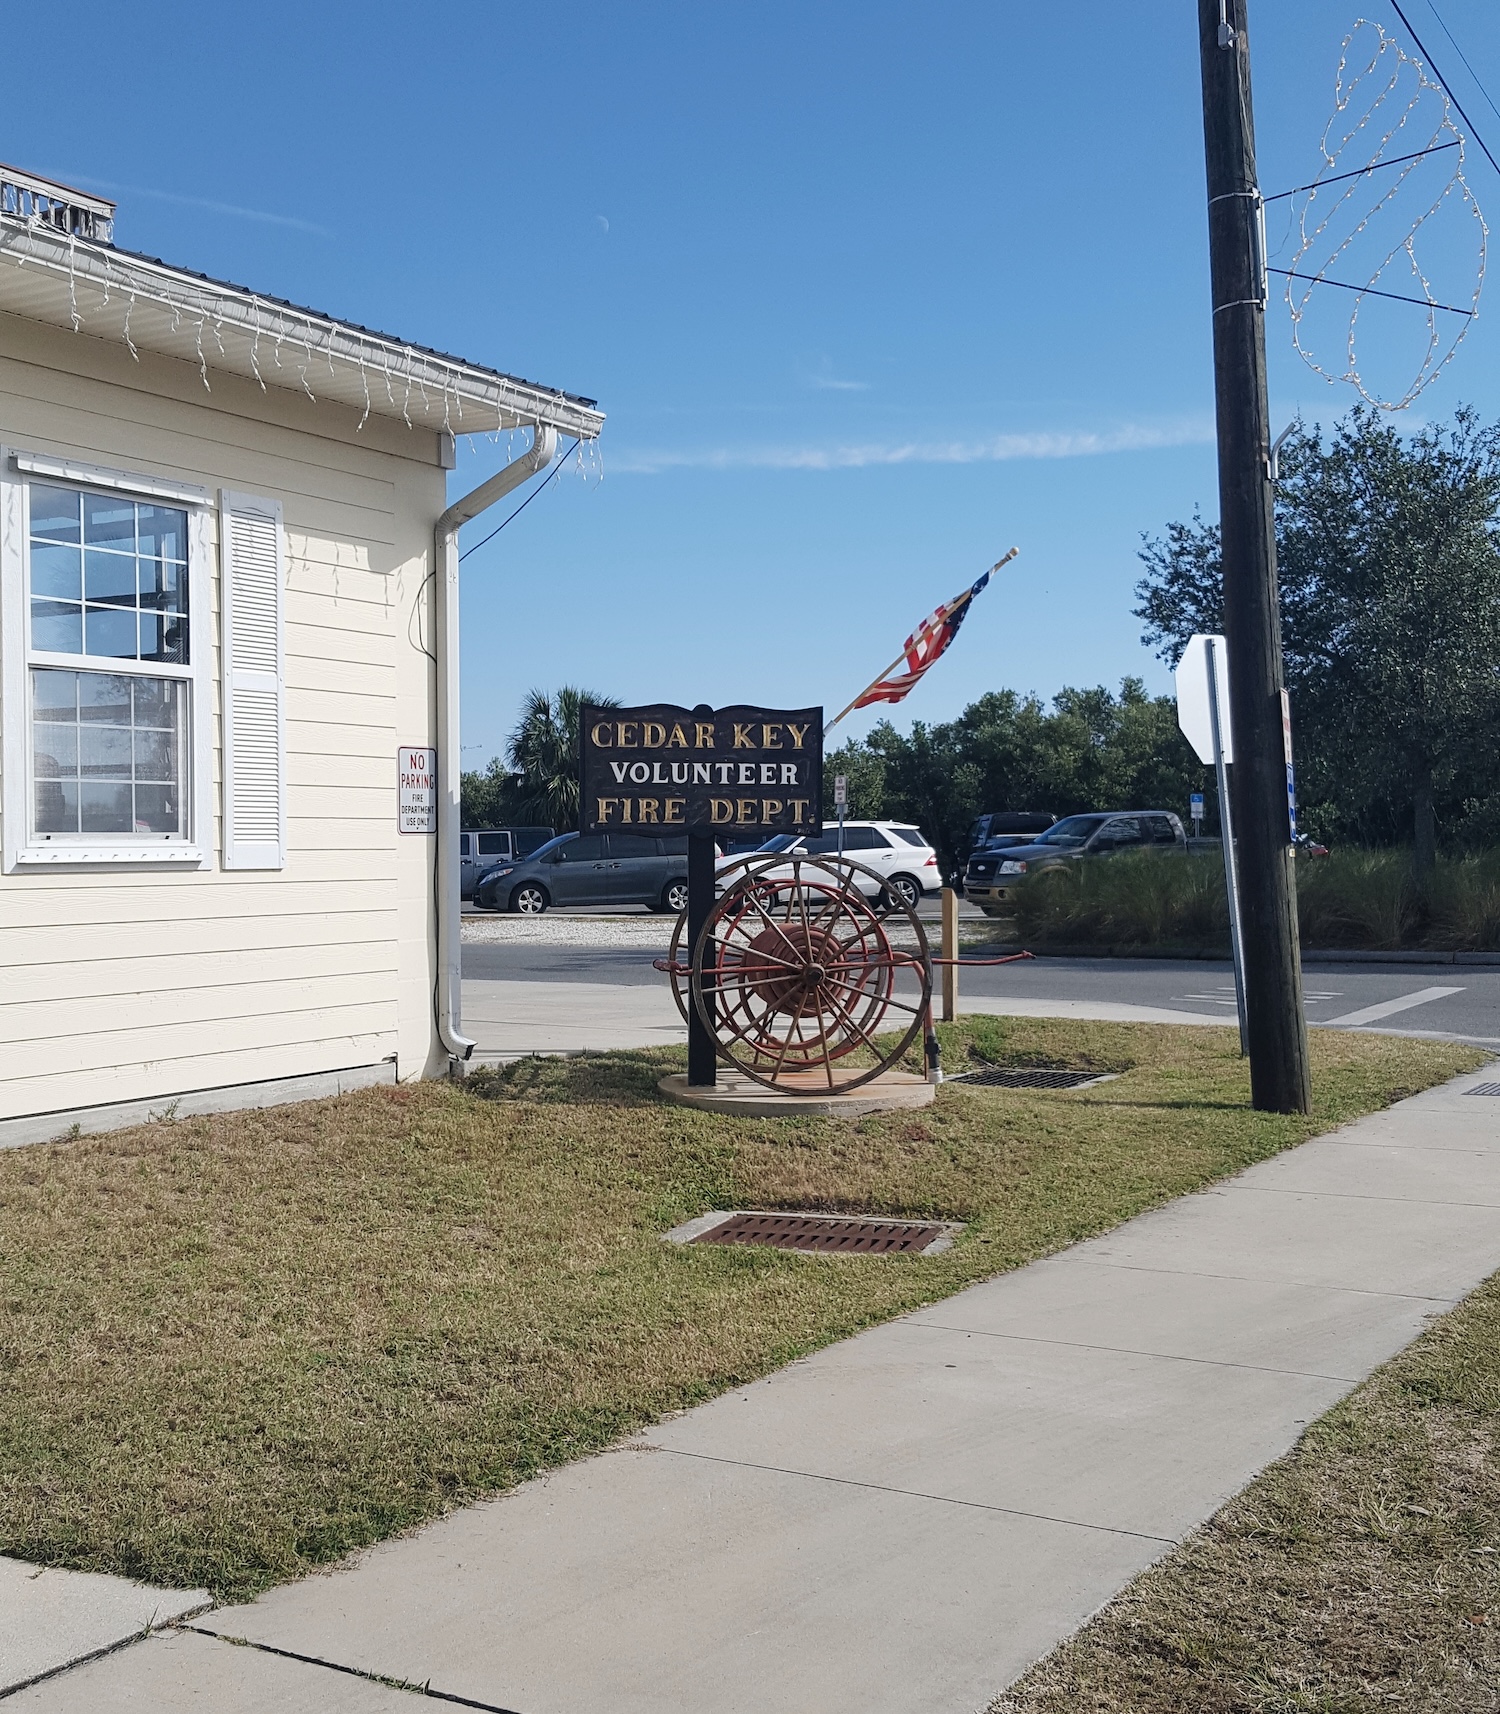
(544, 751)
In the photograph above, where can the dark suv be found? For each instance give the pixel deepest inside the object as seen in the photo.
(591, 869)
(993, 875)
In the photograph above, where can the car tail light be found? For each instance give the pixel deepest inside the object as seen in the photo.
(931, 863)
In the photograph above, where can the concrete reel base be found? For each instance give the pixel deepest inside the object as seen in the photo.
(736, 1093)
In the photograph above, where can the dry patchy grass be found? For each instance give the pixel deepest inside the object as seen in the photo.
(1360, 1572)
(234, 1348)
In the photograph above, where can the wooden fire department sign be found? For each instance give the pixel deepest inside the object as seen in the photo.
(739, 772)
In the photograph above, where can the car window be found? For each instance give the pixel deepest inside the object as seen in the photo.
(587, 848)
(1071, 831)
(1161, 830)
(861, 839)
(624, 845)
(1122, 830)
(463, 845)
(674, 846)
(530, 839)
(823, 845)
(779, 842)
(493, 844)
(912, 835)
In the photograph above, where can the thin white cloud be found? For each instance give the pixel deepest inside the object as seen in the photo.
(230, 208)
(828, 384)
(993, 449)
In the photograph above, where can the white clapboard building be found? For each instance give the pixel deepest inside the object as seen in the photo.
(228, 680)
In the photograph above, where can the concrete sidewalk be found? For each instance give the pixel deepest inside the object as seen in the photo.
(905, 1521)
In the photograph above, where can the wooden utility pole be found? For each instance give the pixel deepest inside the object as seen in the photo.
(1276, 1027)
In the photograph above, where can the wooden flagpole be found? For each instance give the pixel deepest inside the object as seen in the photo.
(968, 596)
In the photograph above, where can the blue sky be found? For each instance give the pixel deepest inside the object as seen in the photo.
(870, 294)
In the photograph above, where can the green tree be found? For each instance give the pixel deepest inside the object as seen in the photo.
(487, 798)
(543, 753)
(1389, 553)
(865, 773)
(1090, 750)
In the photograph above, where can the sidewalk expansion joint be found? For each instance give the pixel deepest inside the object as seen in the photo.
(917, 1494)
(353, 1671)
(118, 1646)
(1136, 1351)
(1265, 1279)
(1356, 1196)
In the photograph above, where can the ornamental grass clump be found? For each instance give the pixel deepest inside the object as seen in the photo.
(1136, 899)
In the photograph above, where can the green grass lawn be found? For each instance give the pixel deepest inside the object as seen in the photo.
(1360, 1572)
(234, 1348)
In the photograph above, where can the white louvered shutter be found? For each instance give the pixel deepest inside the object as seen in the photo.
(252, 558)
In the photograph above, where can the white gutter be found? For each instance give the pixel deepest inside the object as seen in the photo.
(445, 594)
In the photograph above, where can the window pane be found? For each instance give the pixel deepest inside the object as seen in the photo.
(108, 518)
(104, 752)
(589, 848)
(631, 845)
(107, 577)
(110, 631)
(155, 701)
(56, 750)
(105, 808)
(57, 626)
(912, 835)
(54, 513)
(676, 846)
(156, 809)
(164, 637)
(57, 806)
(56, 570)
(156, 756)
(54, 695)
(822, 845)
(494, 844)
(162, 531)
(163, 585)
(105, 697)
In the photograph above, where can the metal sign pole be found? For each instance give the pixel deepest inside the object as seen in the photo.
(1226, 830)
(841, 800)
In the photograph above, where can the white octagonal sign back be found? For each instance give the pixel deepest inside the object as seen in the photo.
(1193, 708)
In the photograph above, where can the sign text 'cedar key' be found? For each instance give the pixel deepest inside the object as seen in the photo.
(737, 771)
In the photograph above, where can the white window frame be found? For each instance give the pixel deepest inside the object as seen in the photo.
(20, 849)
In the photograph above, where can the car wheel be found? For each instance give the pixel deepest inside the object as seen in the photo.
(674, 897)
(906, 889)
(529, 899)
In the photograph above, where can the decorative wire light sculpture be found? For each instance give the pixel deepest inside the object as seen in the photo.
(1381, 92)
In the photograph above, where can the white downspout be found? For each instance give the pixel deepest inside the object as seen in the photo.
(445, 590)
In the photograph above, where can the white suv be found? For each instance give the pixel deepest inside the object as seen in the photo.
(895, 850)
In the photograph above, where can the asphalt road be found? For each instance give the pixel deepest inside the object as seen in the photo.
(1447, 1001)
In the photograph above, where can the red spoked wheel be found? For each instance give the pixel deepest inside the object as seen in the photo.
(796, 971)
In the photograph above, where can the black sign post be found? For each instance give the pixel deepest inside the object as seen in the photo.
(729, 773)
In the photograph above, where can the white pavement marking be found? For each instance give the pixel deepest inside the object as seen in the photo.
(914, 1515)
(1389, 1008)
(1101, 1011)
(51, 1619)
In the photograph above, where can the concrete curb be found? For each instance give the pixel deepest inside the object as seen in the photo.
(1313, 955)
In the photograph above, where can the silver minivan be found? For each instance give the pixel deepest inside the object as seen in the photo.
(482, 848)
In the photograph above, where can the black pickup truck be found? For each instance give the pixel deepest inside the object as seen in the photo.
(992, 875)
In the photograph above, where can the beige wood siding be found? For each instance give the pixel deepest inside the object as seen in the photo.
(131, 983)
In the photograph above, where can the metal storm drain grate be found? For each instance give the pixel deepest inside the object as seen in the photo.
(1032, 1077)
(823, 1234)
(1485, 1089)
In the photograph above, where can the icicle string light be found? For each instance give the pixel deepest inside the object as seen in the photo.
(109, 292)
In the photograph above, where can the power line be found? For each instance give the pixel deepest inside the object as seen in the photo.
(1421, 48)
(1463, 56)
(1370, 291)
(1359, 172)
(556, 471)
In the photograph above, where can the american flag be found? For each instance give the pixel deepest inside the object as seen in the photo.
(923, 647)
